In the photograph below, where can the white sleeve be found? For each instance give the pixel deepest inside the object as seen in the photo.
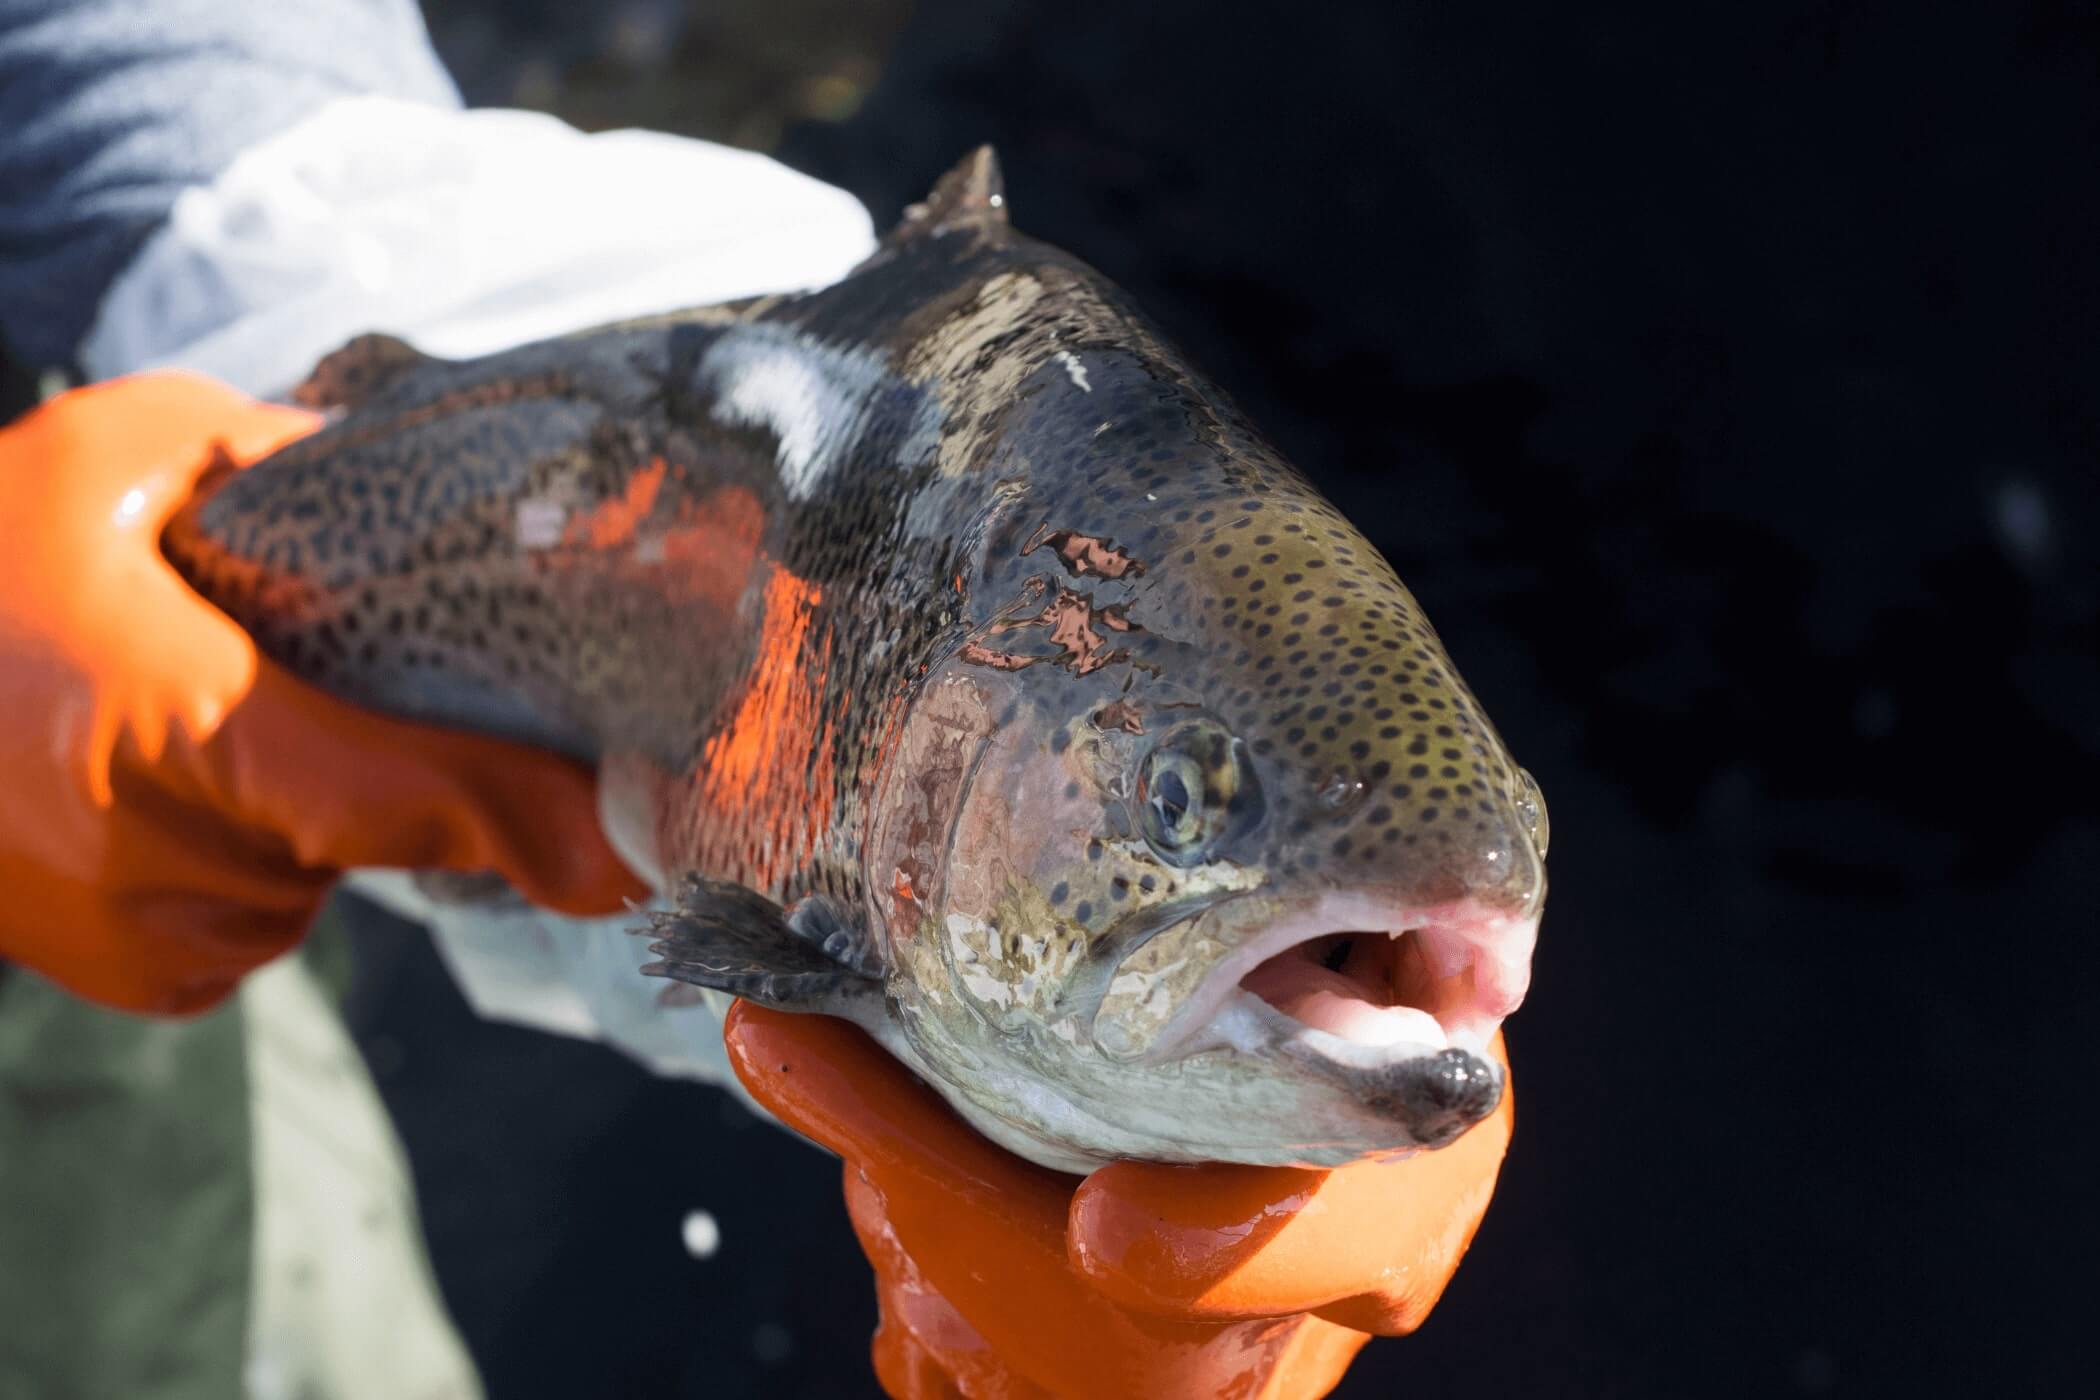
(573, 977)
(463, 232)
(466, 232)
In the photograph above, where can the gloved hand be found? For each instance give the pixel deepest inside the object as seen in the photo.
(999, 1278)
(173, 808)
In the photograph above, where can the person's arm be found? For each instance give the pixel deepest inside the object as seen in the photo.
(111, 109)
(239, 188)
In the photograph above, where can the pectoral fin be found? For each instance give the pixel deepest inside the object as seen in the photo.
(811, 958)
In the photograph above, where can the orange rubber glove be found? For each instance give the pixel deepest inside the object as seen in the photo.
(173, 808)
(999, 1278)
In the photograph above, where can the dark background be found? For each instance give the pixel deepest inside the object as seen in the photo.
(1725, 380)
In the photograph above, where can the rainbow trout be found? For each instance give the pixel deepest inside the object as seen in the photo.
(957, 660)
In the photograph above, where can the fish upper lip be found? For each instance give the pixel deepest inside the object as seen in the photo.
(1496, 944)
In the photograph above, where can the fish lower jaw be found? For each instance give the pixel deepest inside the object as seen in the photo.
(1410, 1094)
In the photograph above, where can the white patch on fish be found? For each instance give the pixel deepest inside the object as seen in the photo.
(811, 397)
(1075, 370)
(540, 522)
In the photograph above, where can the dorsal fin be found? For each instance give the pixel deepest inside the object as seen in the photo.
(971, 196)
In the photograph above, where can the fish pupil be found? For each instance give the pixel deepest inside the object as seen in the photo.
(1172, 796)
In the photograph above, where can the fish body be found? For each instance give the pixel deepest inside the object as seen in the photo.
(960, 661)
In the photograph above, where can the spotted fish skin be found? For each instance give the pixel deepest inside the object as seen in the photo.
(951, 602)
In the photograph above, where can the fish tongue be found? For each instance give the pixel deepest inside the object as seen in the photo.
(1353, 1003)
(1354, 1019)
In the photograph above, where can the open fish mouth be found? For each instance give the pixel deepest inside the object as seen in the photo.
(1431, 986)
(1365, 983)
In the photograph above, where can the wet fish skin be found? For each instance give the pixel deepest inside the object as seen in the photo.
(949, 615)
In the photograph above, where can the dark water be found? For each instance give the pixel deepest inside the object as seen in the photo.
(1725, 386)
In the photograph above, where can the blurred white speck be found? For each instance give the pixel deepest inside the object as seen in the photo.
(701, 1234)
(771, 1343)
(1150, 497)
(128, 509)
(2020, 514)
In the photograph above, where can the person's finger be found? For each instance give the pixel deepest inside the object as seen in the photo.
(156, 432)
(1370, 1245)
(350, 787)
(968, 1245)
(958, 1319)
(342, 785)
(835, 1084)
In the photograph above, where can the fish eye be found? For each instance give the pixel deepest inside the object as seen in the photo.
(1171, 789)
(1195, 787)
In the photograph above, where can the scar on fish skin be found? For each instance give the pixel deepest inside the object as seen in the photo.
(1075, 624)
(1084, 554)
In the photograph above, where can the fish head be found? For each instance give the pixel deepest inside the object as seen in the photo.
(1215, 859)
